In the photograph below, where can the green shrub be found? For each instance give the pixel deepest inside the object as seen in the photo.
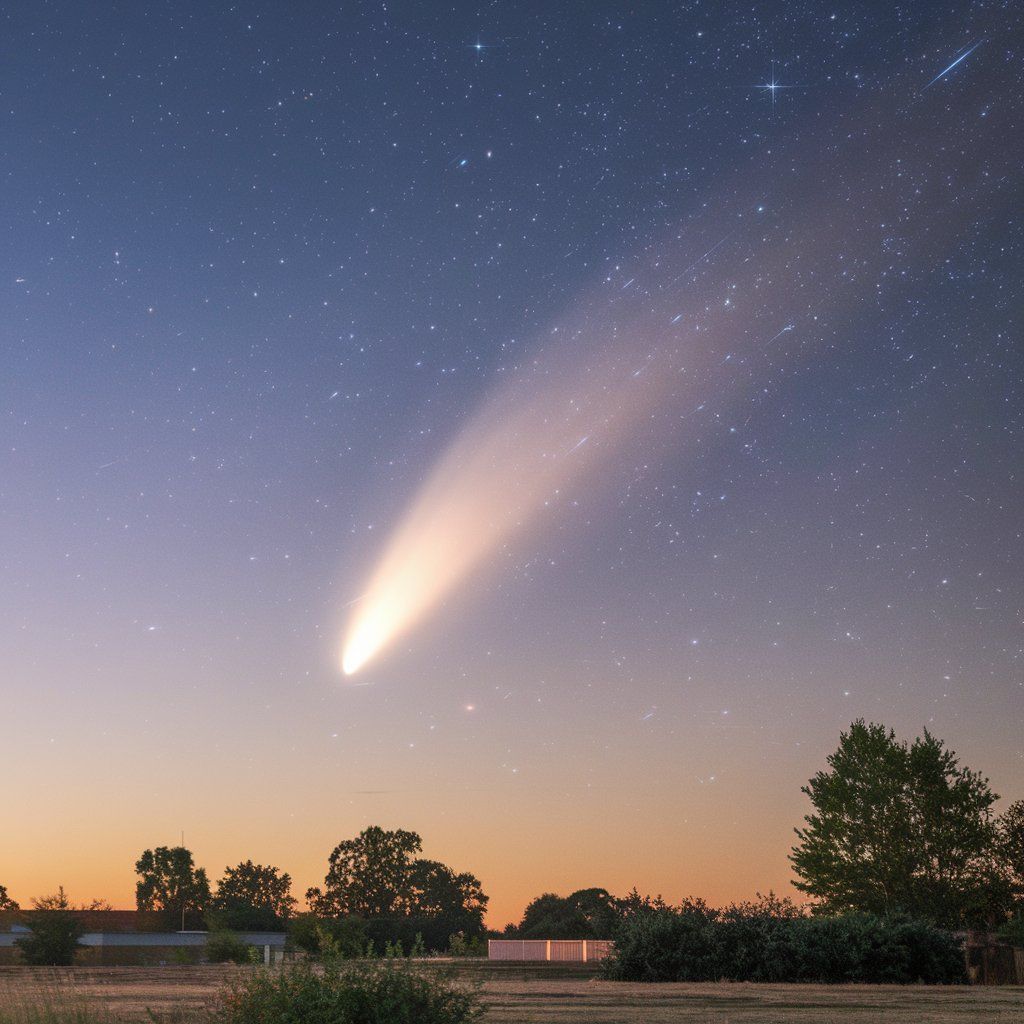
(461, 945)
(387, 992)
(341, 938)
(225, 947)
(666, 944)
(772, 941)
(52, 940)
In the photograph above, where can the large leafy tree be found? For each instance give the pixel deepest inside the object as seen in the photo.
(170, 882)
(253, 896)
(378, 877)
(900, 828)
(369, 876)
(439, 892)
(6, 903)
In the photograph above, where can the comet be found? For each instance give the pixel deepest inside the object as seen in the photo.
(601, 391)
(502, 471)
(570, 407)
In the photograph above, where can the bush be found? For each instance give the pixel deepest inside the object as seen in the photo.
(459, 945)
(226, 947)
(771, 940)
(53, 938)
(342, 938)
(386, 992)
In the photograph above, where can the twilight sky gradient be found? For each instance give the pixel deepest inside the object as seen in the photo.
(685, 412)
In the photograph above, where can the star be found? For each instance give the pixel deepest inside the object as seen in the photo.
(773, 87)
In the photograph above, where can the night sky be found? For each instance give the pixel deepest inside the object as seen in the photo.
(690, 332)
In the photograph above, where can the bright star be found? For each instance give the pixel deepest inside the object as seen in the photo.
(773, 87)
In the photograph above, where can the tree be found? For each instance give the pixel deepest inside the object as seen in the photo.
(900, 828)
(54, 932)
(1011, 843)
(584, 914)
(60, 901)
(6, 903)
(368, 876)
(252, 897)
(440, 893)
(378, 877)
(169, 882)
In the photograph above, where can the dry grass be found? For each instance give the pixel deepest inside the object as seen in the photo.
(182, 995)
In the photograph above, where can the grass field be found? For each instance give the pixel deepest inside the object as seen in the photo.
(182, 995)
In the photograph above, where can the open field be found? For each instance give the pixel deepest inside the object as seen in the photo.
(182, 995)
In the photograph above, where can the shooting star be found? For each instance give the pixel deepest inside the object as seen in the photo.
(696, 263)
(788, 327)
(963, 56)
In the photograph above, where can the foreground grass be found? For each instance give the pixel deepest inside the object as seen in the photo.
(53, 1007)
(185, 995)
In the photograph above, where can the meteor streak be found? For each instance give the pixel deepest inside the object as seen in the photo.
(946, 71)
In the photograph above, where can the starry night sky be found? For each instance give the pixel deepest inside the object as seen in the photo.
(266, 264)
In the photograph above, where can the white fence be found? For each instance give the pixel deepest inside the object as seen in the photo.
(564, 950)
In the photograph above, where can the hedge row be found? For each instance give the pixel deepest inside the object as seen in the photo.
(696, 943)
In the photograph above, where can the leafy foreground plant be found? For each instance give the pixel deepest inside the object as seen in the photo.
(388, 992)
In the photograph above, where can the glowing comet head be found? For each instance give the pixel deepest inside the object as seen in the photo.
(366, 638)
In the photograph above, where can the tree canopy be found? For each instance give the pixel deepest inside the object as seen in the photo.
(900, 828)
(253, 896)
(1011, 841)
(170, 882)
(6, 903)
(377, 876)
(584, 914)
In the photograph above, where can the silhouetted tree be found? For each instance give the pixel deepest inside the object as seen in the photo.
(54, 932)
(456, 897)
(169, 882)
(369, 876)
(252, 897)
(6, 903)
(584, 914)
(378, 878)
(1011, 842)
(900, 828)
(633, 904)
